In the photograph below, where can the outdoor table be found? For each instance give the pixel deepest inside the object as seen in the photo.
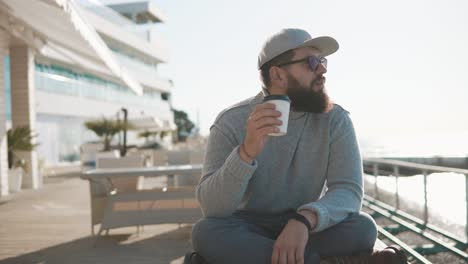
(174, 204)
(154, 171)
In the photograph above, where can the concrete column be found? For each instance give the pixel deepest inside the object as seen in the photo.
(4, 42)
(23, 106)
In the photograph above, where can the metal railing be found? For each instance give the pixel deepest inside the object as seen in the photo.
(113, 16)
(145, 73)
(443, 241)
(59, 84)
(380, 165)
(106, 12)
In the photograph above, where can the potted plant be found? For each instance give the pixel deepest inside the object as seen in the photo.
(18, 139)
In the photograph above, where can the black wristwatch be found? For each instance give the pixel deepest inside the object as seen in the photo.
(297, 216)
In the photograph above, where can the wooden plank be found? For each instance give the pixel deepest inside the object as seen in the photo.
(52, 225)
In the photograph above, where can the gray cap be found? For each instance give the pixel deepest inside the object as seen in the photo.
(293, 38)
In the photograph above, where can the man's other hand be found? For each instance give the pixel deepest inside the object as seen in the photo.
(290, 245)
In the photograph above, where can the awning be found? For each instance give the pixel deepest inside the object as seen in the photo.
(59, 22)
(152, 124)
(144, 11)
(59, 53)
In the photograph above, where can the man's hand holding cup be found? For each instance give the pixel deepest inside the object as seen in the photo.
(268, 118)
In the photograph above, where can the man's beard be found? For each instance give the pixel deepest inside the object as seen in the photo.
(305, 99)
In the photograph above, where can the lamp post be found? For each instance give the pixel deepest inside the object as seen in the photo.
(123, 151)
(119, 135)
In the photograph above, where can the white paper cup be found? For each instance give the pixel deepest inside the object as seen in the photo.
(282, 103)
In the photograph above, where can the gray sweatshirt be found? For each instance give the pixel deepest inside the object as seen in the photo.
(316, 166)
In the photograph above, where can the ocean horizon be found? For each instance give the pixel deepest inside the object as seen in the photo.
(447, 144)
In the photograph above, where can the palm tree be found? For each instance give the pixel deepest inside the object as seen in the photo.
(19, 139)
(106, 129)
(147, 134)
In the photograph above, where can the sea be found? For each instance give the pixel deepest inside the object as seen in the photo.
(446, 191)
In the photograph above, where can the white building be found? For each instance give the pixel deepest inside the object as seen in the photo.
(63, 62)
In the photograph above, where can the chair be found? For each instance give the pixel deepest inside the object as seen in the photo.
(125, 184)
(120, 202)
(179, 157)
(155, 206)
(88, 153)
(197, 156)
(147, 155)
(101, 188)
(159, 157)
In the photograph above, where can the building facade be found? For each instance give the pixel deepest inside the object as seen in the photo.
(64, 62)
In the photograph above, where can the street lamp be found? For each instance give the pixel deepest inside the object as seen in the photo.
(123, 151)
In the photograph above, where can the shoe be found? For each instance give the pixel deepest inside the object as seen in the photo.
(194, 258)
(388, 255)
(362, 258)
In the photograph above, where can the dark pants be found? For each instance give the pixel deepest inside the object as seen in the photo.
(249, 238)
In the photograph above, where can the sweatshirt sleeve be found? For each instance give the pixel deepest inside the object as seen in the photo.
(225, 175)
(344, 177)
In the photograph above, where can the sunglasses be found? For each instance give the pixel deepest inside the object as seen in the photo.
(312, 61)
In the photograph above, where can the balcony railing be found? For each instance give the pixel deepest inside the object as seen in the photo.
(111, 15)
(54, 83)
(143, 72)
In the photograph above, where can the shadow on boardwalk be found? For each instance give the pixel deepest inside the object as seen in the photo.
(118, 249)
(52, 225)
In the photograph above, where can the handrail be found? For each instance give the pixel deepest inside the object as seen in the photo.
(426, 170)
(418, 230)
(413, 219)
(406, 164)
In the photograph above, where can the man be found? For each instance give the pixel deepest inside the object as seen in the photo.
(289, 199)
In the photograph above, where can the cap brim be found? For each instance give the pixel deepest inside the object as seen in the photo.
(326, 45)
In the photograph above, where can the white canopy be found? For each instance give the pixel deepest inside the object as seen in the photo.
(59, 23)
(152, 124)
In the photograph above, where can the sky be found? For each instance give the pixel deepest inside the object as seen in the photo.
(400, 70)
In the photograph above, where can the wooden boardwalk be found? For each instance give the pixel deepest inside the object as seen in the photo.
(52, 225)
